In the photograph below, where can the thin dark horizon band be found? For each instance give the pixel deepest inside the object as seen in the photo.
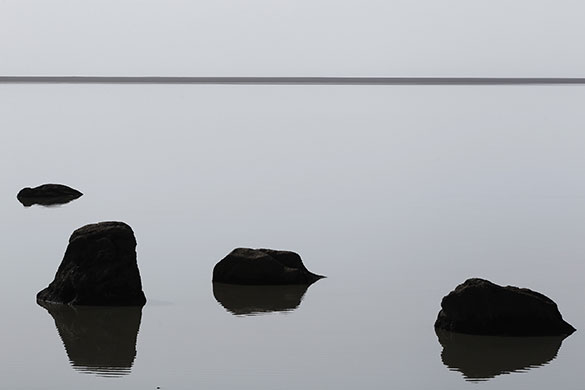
(293, 80)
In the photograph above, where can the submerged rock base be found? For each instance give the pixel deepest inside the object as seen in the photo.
(252, 300)
(479, 358)
(99, 340)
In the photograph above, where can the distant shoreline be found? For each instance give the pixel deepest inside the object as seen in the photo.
(292, 80)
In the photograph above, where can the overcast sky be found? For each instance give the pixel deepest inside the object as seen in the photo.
(535, 38)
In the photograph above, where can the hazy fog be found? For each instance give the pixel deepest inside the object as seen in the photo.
(295, 38)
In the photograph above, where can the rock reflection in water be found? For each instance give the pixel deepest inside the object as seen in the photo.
(253, 300)
(48, 201)
(98, 340)
(480, 358)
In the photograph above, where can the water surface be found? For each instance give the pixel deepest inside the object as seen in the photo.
(396, 193)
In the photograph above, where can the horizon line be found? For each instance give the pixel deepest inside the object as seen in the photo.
(251, 80)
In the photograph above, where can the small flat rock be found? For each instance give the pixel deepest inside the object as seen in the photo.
(47, 195)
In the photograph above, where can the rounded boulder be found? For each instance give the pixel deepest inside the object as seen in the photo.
(479, 306)
(263, 267)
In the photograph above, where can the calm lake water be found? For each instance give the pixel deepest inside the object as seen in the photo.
(396, 193)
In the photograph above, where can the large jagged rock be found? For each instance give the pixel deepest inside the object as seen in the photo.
(262, 267)
(47, 195)
(481, 307)
(99, 268)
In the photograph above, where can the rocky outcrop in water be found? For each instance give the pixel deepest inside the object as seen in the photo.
(98, 340)
(262, 267)
(481, 307)
(99, 268)
(47, 195)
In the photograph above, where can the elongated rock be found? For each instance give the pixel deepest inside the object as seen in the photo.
(47, 195)
(481, 307)
(99, 268)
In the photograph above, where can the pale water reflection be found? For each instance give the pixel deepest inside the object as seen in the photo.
(254, 300)
(98, 340)
(53, 201)
(480, 358)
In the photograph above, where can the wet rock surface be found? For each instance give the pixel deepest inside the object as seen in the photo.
(99, 268)
(263, 267)
(481, 307)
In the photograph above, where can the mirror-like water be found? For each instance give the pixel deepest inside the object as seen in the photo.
(396, 193)
(100, 340)
(480, 358)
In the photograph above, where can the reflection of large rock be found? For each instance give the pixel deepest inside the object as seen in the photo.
(483, 357)
(47, 195)
(99, 340)
(481, 307)
(99, 268)
(261, 267)
(249, 300)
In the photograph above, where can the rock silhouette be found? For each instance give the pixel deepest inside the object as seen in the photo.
(99, 268)
(47, 195)
(251, 300)
(98, 340)
(481, 307)
(480, 358)
(262, 267)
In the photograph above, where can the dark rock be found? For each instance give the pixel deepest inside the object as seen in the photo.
(47, 195)
(262, 266)
(99, 268)
(98, 340)
(250, 300)
(480, 358)
(482, 307)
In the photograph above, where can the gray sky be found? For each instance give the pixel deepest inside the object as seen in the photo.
(521, 38)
